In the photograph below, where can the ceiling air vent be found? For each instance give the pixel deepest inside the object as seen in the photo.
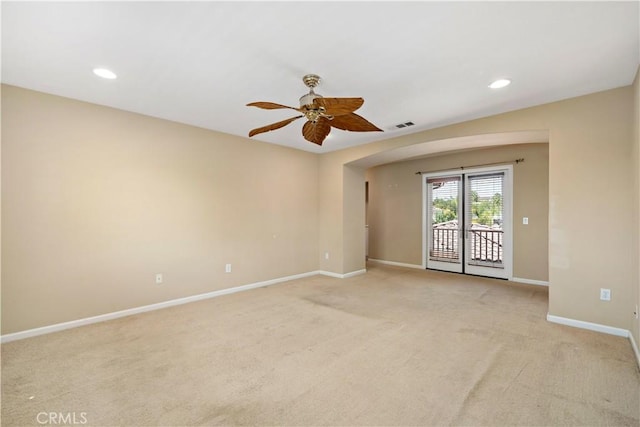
(404, 125)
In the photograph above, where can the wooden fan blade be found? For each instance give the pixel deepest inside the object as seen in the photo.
(316, 132)
(339, 106)
(270, 106)
(354, 123)
(273, 126)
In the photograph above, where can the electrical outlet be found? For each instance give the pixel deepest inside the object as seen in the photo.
(525, 220)
(605, 294)
(326, 255)
(158, 278)
(227, 268)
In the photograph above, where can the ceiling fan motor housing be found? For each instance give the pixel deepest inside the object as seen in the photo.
(311, 81)
(307, 99)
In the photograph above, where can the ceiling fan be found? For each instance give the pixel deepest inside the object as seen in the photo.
(321, 113)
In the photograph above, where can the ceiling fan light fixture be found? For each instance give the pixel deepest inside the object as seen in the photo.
(500, 83)
(104, 73)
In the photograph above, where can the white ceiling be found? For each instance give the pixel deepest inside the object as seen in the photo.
(200, 63)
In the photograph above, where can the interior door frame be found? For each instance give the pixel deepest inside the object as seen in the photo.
(507, 271)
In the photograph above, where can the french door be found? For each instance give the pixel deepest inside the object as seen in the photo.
(468, 222)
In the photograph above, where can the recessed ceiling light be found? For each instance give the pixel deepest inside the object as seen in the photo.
(500, 83)
(104, 73)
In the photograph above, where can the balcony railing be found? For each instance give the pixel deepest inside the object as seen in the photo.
(445, 244)
(485, 244)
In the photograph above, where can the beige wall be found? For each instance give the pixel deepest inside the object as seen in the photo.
(396, 202)
(330, 217)
(96, 201)
(590, 154)
(635, 328)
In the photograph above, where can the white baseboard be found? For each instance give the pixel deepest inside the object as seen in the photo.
(634, 345)
(598, 328)
(342, 276)
(588, 325)
(397, 264)
(421, 267)
(354, 273)
(137, 310)
(530, 281)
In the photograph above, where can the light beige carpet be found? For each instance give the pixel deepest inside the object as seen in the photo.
(392, 347)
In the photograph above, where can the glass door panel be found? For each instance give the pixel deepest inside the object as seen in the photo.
(444, 237)
(484, 224)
